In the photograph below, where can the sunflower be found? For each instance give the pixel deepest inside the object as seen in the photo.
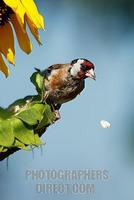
(17, 14)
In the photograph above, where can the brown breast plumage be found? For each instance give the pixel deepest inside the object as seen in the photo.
(61, 86)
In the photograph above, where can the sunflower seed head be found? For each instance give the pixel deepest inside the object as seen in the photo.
(5, 13)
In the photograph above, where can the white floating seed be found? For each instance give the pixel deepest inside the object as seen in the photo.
(105, 124)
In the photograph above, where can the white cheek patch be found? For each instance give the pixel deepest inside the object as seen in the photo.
(75, 69)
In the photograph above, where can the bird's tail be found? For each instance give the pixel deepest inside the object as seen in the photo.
(37, 69)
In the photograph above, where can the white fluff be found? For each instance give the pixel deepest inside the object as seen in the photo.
(105, 124)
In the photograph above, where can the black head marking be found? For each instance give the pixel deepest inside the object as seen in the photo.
(74, 61)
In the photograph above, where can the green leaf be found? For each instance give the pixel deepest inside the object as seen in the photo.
(19, 102)
(4, 149)
(21, 145)
(48, 117)
(6, 133)
(33, 114)
(22, 104)
(38, 141)
(1, 148)
(4, 114)
(38, 80)
(22, 132)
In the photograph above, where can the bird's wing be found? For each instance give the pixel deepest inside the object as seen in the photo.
(48, 71)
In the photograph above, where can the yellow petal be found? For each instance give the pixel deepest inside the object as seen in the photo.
(34, 30)
(32, 13)
(18, 9)
(22, 35)
(20, 12)
(7, 42)
(3, 67)
(12, 3)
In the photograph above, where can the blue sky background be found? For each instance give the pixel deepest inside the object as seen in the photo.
(105, 35)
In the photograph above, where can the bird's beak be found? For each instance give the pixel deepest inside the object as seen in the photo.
(91, 74)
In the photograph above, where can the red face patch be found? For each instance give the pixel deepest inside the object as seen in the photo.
(88, 64)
